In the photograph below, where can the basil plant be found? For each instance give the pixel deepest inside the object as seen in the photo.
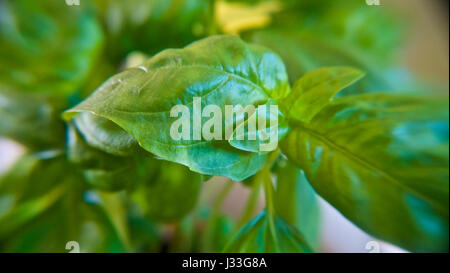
(130, 114)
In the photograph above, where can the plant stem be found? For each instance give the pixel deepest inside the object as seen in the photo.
(269, 192)
(252, 201)
(215, 211)
(116, 211)
(217, 204)
(270, 207)
(254, 195)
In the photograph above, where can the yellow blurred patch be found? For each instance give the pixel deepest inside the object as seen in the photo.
(234, 18)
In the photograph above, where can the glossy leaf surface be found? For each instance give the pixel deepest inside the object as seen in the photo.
(314, 90)
(382, 160)
(221, 70)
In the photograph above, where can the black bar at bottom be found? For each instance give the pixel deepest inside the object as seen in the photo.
(165, 262)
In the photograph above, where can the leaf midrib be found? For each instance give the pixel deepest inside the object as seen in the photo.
(362, 161)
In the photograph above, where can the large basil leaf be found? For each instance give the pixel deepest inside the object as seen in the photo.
(296, 201)
(31, 119)
(221, 70)
(47, 46)
(255, 237)
(382, 160)
(170, 194)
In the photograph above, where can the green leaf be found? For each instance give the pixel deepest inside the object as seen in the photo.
(86, 224)
(296, 201)
(31, 119)
(101, 170)
(313, 91)
(27, 211)
(170, 194)
(262, 139)
(145, 235)
(32, 186)
(115, 208)
(255, 237)
(47, 47)
(110, 180)
(382, 160)
(219, 228)
(221, 70)
(33, 175)
(105, 135)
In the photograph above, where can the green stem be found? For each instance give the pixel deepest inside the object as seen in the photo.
(116, 211)
(215, 211)
(251, 203)
(254, 195)
(270, 207)
(268, 191)
(217, 204)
